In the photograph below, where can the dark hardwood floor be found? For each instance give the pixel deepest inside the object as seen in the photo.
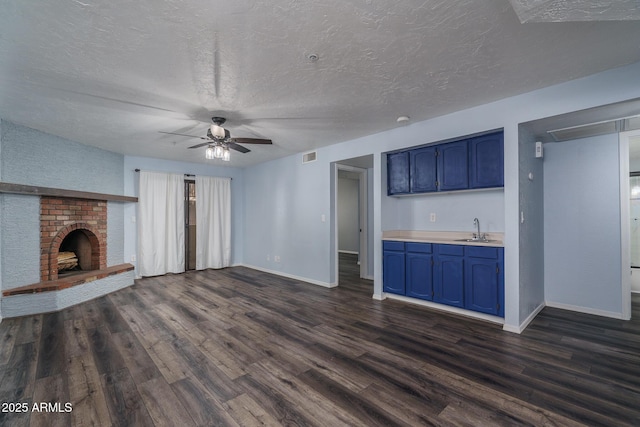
(241, 347)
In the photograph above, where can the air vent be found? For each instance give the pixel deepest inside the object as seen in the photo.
(309, 157)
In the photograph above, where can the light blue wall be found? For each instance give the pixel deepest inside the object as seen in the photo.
(532, 229)
(454, 212)
(35, 158)
(582, 224)
(286, 220)
(284, 204)
(131, 180)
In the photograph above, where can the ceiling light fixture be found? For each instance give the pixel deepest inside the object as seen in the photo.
(402, 119)
(217, 150)
(209, 153)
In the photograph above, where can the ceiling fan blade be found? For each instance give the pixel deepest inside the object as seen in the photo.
(200, 145)
(182, 134)
(251, 141)
(237, 147)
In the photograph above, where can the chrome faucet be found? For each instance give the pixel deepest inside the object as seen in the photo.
(477, 236)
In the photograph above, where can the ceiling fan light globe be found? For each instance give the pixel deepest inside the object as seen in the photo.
(217, 132)
(226, 154)
(218, 152)
(209, 153)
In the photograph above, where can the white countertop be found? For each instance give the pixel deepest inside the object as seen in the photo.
(443, 237)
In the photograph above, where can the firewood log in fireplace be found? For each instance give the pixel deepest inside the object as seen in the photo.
(67, 261)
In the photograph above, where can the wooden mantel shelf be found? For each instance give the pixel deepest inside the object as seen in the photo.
(7, 187)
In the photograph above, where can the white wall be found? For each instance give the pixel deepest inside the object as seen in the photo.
(582, 225)
(131, 180)
(289, 221)
(348, 215)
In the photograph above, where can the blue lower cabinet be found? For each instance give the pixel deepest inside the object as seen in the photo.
(484, 281)
(419, 275)
(393, 269)
(469, 277)
(449, 275)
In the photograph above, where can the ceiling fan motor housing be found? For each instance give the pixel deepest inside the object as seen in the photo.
(218, 133)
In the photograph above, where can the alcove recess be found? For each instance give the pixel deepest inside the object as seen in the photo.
(74, 223)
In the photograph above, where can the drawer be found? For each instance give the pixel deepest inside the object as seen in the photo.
(392, 245)
(456, 250)
(481, 252)
(418, 247)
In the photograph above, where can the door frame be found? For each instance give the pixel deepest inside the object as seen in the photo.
(625, 220)
(363, 219)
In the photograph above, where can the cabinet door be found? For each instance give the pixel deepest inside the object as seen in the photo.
(486, 158)
(393, 272)
(423, 174)
(398, 173)
(484, 280)
(449, 280)
(453, 161)
(419, 270)
(482, 285)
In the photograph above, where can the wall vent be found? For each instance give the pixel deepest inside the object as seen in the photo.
(309, 157)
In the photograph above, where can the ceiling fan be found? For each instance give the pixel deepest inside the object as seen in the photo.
(219, 141)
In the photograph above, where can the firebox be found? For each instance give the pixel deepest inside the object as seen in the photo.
(73, 236)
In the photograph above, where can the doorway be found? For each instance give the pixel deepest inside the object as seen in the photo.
(352, 214)
(190, 224)
(634, 209)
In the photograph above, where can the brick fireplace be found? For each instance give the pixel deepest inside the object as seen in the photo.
(76, 225)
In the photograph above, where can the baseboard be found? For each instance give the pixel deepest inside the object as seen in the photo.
(379, 297)
(289, 276)
(447, 308)
(520, 328)
(585, 310)
(348, 252)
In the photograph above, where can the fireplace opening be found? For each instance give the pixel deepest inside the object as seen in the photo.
(73, 236)
(75, 253)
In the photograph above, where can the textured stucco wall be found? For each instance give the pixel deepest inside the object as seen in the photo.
(35, 158)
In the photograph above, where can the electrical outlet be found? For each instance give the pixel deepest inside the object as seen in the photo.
(276, 258)
(432, 217)
(268, 257)
(133, 258)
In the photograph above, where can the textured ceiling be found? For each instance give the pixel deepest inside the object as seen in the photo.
(114, 73)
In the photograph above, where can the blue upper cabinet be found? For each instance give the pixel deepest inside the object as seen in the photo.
(398, 173)
(453, 166)
(423, 174)
(469, 163)
(486, 161)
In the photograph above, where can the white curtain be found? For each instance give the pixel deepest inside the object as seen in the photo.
(160, 223)
(213, 217)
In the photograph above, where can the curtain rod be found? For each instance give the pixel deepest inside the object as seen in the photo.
(186, 174)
